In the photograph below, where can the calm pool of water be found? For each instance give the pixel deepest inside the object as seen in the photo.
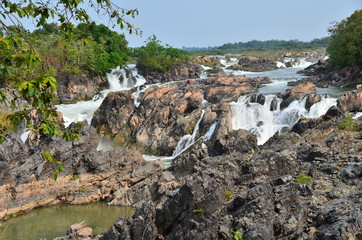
(54, 221)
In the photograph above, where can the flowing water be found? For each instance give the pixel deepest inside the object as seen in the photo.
(50, 222)
(259, 119)
(84, 110)
(263, 120)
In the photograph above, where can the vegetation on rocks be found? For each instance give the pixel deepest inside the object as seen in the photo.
(159, 57)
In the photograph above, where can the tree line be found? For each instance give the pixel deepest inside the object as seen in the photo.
(276, 44)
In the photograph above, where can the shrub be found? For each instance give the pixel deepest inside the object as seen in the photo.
(303, 179)
(229, 194)
(350, 125)
(236, 235)
(157, 57)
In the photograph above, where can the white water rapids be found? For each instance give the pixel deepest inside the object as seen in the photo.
(261, 120)
(84, 110)
(267, 119)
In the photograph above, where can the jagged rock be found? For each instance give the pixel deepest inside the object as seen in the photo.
(295, 93)
(340, 218)
(351, 101)
(78, 87)
(312, 99)
(176, 72)
(237, 140)
(322, 73)
(114, 113)
(258, 98)
(169, 112)
(78, 231)
(254, 64)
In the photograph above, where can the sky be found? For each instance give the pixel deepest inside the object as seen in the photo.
(210, 23)
(201, 23)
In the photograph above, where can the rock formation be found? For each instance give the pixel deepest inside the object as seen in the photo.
(254, 64)
(168, 112)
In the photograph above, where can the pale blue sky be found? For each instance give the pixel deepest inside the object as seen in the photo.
(204, 23)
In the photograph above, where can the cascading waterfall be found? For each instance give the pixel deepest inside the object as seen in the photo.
(84, 110)
(264, 120)
(188, 139)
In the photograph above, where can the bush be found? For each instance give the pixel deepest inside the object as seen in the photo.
(303, 179)
(345, 45)
(157, 57)
(350, 125)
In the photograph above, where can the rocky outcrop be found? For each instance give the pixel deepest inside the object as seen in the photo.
(351, 101)
(176, 72)
(26, 179)
(167, 113)
(323, 74)
(262, 194)
(309, 56)
(254, 64)
(295, 93)
(78, 231)
(73, 88)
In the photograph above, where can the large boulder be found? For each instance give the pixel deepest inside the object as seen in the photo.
(176, 72)
(351, 101)
(73, 88)
(254, 64)
(296, 93)
(114, 114)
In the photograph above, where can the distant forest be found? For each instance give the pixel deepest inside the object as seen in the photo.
(269, 44)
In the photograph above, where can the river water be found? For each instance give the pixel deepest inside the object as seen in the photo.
(258, 119)
(262, 120)
(54, 221)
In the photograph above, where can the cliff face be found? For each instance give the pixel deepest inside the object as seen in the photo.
(72, 88)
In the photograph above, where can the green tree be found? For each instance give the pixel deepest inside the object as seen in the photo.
(345, 45)
(22, 66)
(159, 57)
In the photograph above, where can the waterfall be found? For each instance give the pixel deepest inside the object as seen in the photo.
(264, 120)
(211, 131)
(84, 110)
(188, 139)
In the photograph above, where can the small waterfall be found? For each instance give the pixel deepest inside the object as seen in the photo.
(264, 120)
(188, 139)
(113, 79)
(211, 131)
(84, 110)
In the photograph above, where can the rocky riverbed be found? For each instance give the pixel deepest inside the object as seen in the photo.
(301, 184)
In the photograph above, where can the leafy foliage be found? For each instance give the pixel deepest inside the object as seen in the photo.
(345, 46)
(303, 179)
(93, 50)
(200, 210)
(350, 125)
(236, 235)
(158, 57)
(22, 67)
(57, 165)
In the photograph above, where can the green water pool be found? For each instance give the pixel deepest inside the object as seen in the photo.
(54, 221)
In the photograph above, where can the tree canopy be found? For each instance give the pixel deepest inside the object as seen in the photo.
(24, 69)
(345, 46)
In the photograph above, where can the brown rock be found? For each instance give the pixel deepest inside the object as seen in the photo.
(351, 101)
